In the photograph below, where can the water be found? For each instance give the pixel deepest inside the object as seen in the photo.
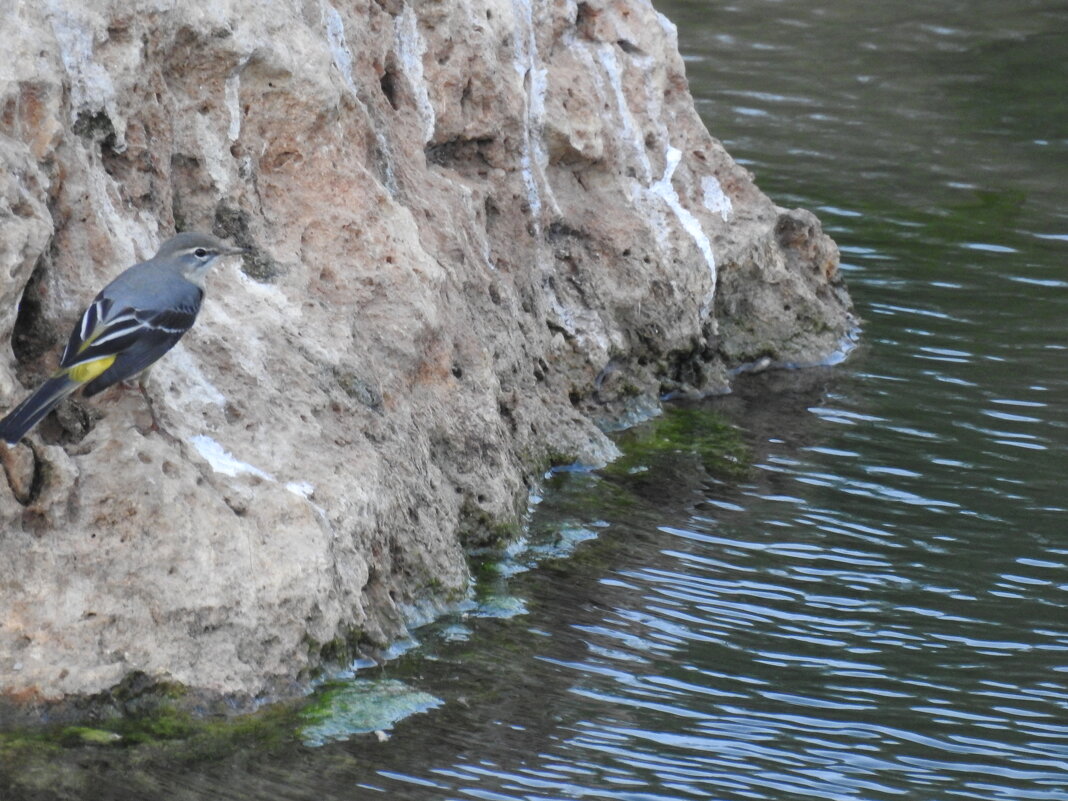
(877, 608)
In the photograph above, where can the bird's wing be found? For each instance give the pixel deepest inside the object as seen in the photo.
(105, 331)
(136, 346)
(90, 327)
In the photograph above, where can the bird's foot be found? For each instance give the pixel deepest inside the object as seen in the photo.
(155, 427)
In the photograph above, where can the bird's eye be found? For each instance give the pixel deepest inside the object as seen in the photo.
(200, 253)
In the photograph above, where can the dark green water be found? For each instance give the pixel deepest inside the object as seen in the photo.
(878, 608)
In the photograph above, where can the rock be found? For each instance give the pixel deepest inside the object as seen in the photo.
(476, 228)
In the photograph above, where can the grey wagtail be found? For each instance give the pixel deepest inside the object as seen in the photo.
(132, 322)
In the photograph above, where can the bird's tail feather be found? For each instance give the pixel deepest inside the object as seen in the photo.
(30, 412)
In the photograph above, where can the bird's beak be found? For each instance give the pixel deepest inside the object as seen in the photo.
(234, 251)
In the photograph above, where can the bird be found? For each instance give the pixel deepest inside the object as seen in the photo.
(130, 324)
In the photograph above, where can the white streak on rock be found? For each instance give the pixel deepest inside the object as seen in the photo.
(387, 161)
(134, 235)
(342, 56)
(649, 195)
(222, 461)
(610, 86)
(233, 103)
(714, 198)
(533, 158)
(304, 489)
(91, 88)
(200, 389)
(410, 49)
(268, 293)
(664, 190)
(669, 28)
(607, 56)
(339, 48)
(217, 159)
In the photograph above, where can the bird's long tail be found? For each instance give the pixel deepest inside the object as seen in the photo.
(30, 412)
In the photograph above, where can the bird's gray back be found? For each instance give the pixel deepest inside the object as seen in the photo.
(152, 286)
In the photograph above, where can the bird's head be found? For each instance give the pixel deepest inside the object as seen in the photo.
(193, 254)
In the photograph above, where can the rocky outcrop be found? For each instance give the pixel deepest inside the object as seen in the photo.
(477, 228)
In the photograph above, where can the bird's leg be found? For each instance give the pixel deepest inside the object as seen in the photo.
(142, 379)
(134, 382)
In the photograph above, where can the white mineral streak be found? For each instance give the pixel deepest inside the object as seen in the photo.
(662, 189)
(339, 48)
(410, 50)
(232, 90)
(215, 152)
(91, 87)
(609, 60)
(714, 198)
(342, 58)
(135, 233)
(533, 77)
(387, 162)
(666, 191)
(222, 461)
(668, 27)
(201, 392)
(304, 489)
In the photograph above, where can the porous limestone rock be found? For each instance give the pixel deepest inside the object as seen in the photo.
(477, 227)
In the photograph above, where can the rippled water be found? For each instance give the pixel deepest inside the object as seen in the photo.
(878, 607)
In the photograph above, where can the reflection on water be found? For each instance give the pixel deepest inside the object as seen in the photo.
(869, 598)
